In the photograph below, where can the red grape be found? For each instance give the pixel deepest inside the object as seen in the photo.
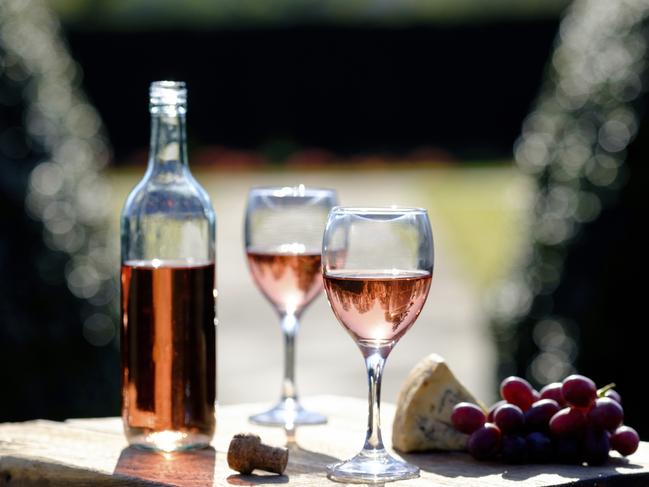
(625, 440)
(606, 414)
(568, 450)
(613, 394)
(539, 447)
(553, 391)
(514, 449)
(467, 417)
(517, 391)
(484, 443)
(492, 410)
(568, 422)
(596, 446)
(578, 390)
(509, 418)
(538, 416)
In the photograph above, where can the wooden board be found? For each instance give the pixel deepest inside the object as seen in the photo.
(94, 452)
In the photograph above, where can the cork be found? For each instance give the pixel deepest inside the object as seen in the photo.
(247, 453)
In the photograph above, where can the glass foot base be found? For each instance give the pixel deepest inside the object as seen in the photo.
(371, 467)
(288, 413)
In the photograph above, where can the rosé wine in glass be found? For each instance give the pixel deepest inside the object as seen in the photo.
(283, 233)
(377, 306)
(376, 292)
(289, 280)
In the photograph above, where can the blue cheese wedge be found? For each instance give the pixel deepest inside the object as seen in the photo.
(424, 406)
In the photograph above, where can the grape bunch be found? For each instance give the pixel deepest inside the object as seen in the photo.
(568, 422)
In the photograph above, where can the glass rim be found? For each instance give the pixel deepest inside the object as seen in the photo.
(294, 191)
(378, 210)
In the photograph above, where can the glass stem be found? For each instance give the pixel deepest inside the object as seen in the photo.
(290, 325)
(374, 361)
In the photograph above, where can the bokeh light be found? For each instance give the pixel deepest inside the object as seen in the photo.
(66, 192)
(574, 143)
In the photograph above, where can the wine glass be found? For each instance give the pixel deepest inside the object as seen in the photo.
(377, 292)
(283, 234)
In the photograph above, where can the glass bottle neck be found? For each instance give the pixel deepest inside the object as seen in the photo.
(168, 149)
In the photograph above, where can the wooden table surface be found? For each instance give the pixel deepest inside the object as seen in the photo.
(94, 452)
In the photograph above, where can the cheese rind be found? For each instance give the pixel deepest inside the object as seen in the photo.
(424, 407)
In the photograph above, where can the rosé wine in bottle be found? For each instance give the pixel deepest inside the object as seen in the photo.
(168, 294)
(288, 280)
(168, 350)
(377, 307)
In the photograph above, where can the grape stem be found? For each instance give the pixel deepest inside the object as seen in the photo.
(605, 389)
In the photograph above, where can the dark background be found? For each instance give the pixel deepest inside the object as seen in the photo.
(463, 89)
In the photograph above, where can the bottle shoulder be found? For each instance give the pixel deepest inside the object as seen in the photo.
(181, 197)
(200, 191)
